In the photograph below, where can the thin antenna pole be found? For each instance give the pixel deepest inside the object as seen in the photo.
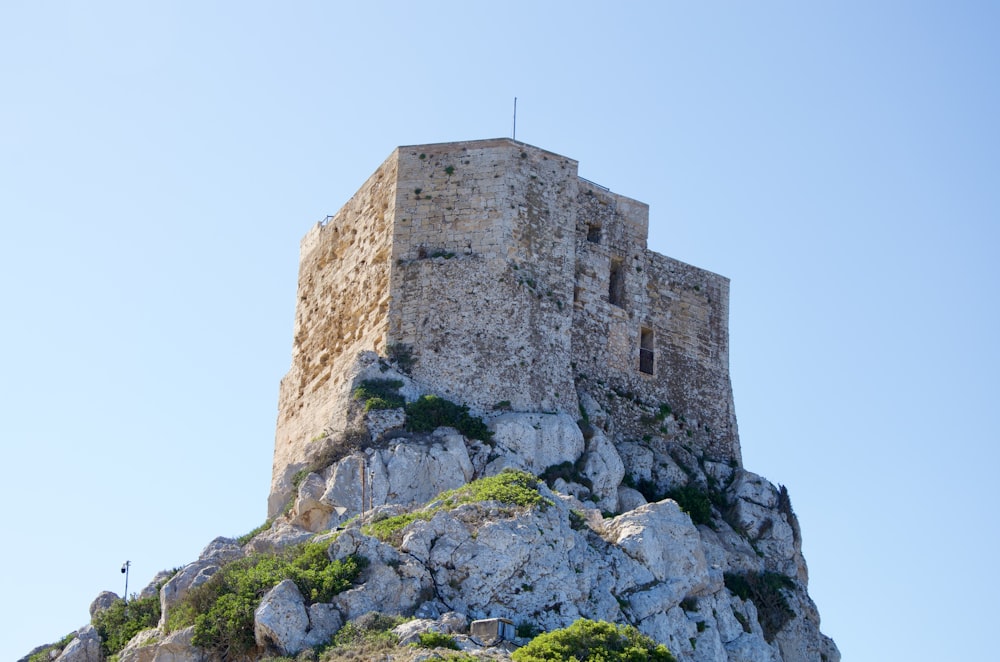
(514, 134)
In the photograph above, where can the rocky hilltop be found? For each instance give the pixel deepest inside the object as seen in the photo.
(421, 518)
(505, 416)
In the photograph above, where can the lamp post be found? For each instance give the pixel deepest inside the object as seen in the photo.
(125, 567)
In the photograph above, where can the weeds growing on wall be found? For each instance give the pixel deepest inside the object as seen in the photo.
(402, 355)
(379, 394)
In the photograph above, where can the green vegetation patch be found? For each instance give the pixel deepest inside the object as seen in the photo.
(514, 488)
(431, 412)
(695, 502)
(766, 590)
(250, 535)
(117, 624)
(379, 394)
(222, 608)
(369, 631)
(52, 651)
(593, 641)
(436, 640)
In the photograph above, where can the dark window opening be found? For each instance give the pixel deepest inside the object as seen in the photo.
(594, 233)
(646, 356)
(616, 283)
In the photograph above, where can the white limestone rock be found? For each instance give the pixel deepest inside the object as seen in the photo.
(281, 620)
(605, 470)
(153, 587)
(535, 442)
(103, 600)
(380, 421)
(324, 621)
(419, 472)
(190, 576)
(86, 647)
(629, 499)
(392, 583)
(410, 631)
(311, 512)
(639, 459)
(221, 550)
(662, 538)
(174, 647)
(343, 488)
(282, 534)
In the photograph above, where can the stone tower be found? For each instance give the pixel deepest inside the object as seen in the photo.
(508, 279)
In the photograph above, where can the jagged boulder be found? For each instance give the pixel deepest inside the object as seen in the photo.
(217, 553)
(392, 583)
(281, 620)
(662, 538)
(408, 471)
(534, 442)
(603, 467)
(175, 647)
(85, 647)
(103, 600)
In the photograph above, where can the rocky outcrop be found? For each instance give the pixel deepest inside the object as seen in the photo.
(86, 647)
(150, 646)
(284, 623)
(701, 555)
(216, 553)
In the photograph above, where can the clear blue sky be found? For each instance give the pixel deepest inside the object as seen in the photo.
(839, 161)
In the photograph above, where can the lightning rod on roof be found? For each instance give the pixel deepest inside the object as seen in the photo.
(513, 134)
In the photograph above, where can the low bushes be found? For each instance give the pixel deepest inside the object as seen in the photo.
(222, 609)
(431, 412)
(514, 488)
(593, 641)
(766, 590)
(117, 624)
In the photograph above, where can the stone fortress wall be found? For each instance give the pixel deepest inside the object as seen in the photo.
(512, 280)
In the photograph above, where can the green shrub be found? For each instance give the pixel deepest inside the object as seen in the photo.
(568, 471)
(596, 641)
(402, 356)
(431, 412)
(766, 590)
(694, 501)
(250, 535)
(369, 630)
(222, 608)
(527, 630)
(514, 488)
(386, 529)
(379, 394)
(52, 651)
(436, 640)
(117, 624)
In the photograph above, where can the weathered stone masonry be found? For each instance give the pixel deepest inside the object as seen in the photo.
(513, 280)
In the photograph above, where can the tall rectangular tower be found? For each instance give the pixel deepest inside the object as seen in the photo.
(509, 279)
